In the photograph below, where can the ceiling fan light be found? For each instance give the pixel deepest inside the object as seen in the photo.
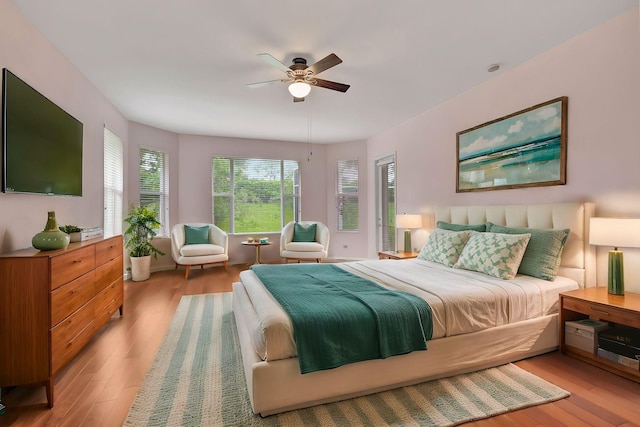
(299, 89)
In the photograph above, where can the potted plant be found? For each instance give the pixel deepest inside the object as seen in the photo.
(143, 224)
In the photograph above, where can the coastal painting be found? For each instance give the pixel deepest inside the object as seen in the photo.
(524, 149)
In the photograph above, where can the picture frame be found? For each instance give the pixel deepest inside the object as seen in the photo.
(525, 149)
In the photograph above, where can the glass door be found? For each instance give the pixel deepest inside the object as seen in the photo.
(386, 203)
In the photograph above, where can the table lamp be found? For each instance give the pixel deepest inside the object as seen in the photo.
(407, 222)
(616, 232)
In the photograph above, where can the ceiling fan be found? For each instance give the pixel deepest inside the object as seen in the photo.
(302, 75)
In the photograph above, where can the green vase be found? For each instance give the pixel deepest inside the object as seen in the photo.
(51, 237)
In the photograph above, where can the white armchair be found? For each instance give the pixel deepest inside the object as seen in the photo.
(215, 251)
(297, 251)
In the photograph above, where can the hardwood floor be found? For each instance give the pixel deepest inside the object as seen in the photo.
(98, 386)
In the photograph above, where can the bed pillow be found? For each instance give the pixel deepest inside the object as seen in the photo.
(461, 227)
(444, 247)
(196, 235)
(542, 257)
(495, 254)
(303, 233)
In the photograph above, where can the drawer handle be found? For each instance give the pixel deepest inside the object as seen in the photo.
(606, 313)
(77, 260)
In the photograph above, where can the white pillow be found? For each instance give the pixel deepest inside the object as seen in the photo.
(444, 246)
(495, 254)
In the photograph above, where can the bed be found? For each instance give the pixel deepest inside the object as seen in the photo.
(519, 325)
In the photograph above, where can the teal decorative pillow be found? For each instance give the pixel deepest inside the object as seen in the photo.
(196, 235)
(444, 246)
(542, 257)
(461, 227)
(495, 254)
(303, 233)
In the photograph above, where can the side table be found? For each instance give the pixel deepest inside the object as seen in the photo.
(257, 245)
(396, 255)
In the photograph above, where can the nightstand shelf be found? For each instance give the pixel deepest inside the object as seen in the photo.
(397, 255)
(597, 303)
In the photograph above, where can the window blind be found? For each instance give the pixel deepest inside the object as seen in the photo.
(113, 183)
(154, 185)
(347, 195)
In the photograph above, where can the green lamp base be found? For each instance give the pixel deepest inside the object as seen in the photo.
(407, 241)
(616, 273)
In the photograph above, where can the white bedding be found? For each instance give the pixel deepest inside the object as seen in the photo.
(461, 301)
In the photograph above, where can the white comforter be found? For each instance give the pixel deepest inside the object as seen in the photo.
(461, 301)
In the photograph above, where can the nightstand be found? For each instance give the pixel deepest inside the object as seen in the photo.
(397, 255)
(597, 303)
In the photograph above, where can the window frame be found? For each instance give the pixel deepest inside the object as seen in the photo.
(284, 196)
(162, 194)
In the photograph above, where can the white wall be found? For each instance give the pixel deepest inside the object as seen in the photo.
(599, 71)
(195, 157)
(26, 52)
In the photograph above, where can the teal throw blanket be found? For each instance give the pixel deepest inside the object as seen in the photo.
(341, 318)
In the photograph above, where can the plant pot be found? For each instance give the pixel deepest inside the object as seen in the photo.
(140, 268)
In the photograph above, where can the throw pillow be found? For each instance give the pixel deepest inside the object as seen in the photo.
(461, 227)
(303, 233)
(196, 235)
(495, 254)
(444, 247)
(542, 257)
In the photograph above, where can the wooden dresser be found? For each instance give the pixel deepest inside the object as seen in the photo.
(51, 305)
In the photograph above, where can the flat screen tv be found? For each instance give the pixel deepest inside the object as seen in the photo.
(41, 143)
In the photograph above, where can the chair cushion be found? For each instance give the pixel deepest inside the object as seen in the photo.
(196, 235)
(304, 247)
(201, 250)
(304, 234)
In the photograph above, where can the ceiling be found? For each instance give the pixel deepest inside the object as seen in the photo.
(183, 66)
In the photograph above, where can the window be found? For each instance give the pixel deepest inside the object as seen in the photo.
(255, 195)
(154, 185)
(347, 195)
(113, 184)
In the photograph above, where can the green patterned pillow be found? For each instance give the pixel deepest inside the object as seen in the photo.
(444, 246)
(461, 227)
(542, 257)
(495, 254)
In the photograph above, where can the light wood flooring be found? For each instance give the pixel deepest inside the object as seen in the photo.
(98, 386)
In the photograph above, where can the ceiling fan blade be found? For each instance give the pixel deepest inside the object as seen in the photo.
(340, 87)
(273, 62)
(297, 99)
(324, 64)
(267, 83)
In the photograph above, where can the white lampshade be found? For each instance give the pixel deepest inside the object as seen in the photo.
(408, 221)
(299, 89)
(616, 232)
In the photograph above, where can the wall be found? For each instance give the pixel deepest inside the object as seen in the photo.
(26, 52)
(194, 190)
(598, 71)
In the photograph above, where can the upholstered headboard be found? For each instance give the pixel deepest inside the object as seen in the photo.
(578, 257)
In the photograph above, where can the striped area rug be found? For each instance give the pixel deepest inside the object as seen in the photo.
(196, 379)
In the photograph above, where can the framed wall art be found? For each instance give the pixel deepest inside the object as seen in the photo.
(524, 149)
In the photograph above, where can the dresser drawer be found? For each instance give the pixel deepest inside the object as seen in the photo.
(70, 297)
(108, 301)
(107, 274)
(108, 250)
(64, 351)
(63, 336)
(69, 266)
